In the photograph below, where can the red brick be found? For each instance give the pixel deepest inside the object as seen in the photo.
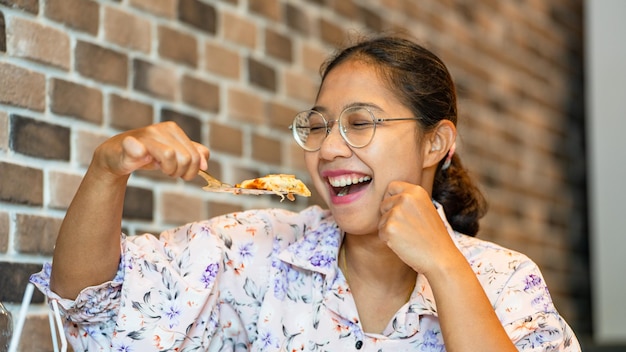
(40, 139)
(36, 234)
(62, 187)
(198, 14)
(21, 184)
(178, 46)
(313, 57)
(245, 106)
(301, 87)
(271, 9)
(261, 74)
(13, 280)
(127, 30)
(201, 94)
(75, 100)
(101, 64)
(266, 149)
(281, 116)
(138, 204)
(332, 33)
(155, 80)
(44, 44)
(5, 229)
(297, 19)
(226, 139)
(3, 34)
(239, 30)
(188, 123)
(21, 87)
(31, 6)
(4, 131)
(126, 114)
(164, 8)
(80, 14)
(222, 61)
(178, 209)
(278, 45)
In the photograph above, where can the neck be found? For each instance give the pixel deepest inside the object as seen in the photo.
(365, 261)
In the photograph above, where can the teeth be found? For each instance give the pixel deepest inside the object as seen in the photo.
(343, 181)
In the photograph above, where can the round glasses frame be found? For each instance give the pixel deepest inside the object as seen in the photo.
(344, 131)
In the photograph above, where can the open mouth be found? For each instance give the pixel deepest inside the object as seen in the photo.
(346, 184)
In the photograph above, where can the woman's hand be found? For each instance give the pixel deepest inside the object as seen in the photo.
(92, 225)
(412, 228)
(162, 146)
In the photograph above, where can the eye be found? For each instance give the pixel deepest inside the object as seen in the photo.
(358, 119)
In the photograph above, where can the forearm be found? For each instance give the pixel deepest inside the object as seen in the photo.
(467, 318)
(87, 250)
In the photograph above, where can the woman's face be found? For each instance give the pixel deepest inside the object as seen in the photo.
(395, 153)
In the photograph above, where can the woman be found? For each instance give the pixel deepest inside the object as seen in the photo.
(391, 266)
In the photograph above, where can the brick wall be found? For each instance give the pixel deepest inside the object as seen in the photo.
(232, 74)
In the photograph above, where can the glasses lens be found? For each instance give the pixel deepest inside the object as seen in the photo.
(309, 129)
(357, 126)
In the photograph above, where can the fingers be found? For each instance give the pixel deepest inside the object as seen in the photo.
(163, 146)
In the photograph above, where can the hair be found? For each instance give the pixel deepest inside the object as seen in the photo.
(422, 82)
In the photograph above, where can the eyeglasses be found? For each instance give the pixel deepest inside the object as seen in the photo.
(357, 126)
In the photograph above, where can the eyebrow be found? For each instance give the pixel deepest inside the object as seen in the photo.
(347, 106)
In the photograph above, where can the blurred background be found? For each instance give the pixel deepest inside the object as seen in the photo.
(233, 73)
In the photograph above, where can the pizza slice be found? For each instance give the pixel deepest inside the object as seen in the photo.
(280, 184)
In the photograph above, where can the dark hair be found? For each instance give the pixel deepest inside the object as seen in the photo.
(422, 82)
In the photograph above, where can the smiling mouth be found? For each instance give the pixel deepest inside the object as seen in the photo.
(346, 184)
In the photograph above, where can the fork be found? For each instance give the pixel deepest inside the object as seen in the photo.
(212, 182)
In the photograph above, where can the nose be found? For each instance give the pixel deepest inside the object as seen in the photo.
(334, 145)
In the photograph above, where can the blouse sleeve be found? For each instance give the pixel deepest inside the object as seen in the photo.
(160, 298)
(528, 313)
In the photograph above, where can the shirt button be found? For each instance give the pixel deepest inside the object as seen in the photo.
(358, 345)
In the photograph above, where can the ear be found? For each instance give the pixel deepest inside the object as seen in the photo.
(438, 142)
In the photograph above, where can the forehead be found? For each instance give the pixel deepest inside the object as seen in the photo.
(353, 82)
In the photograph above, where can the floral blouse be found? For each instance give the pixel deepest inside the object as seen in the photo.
(268, 280)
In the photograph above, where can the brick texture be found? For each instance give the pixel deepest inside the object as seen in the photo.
(21, 184)
(155, 80)
(178, 46)
(164, 8)
(222, 61)
(79, 14)
(127, 114)
(22, 87)
(4, 131)
(31, 6)
(5, 223)
(75, 100)
(101, 64)
(39, 43)
(233, 74)
(39, 138)
(127, 30)
(13, 280)
(262, 75)
(3, 34)
(189, 123)
(139, 204)
(226, 139)
(36, 234)
(201, 94)
(198, 14)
